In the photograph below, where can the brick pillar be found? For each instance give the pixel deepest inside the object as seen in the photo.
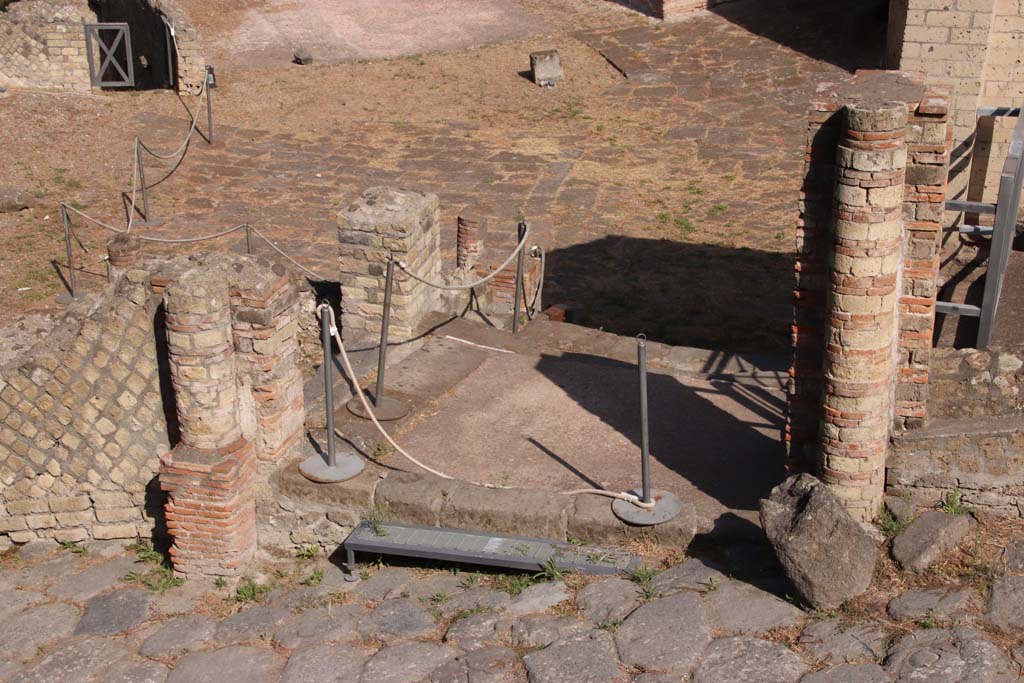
(124, 252)
(928, 148)
(264, 306)
(208, 477)
(467, 243)
(382, 221)
(861, 328)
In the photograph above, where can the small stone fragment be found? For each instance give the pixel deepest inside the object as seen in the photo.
(11, 200)
(302, 56)
(546, 67)
(539, 597)
(931, 535)
(827, 555)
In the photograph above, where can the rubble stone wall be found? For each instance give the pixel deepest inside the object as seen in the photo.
(976, 383)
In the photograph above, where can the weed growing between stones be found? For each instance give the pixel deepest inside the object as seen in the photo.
(250, 591)
(513, 584)
(308, 553)
(314, 578)
(73, 547)
(890, 525)
(144, 552)
(158, 578)
(954, 503)
(220, 582)
(549, 571)
(438, 598)
(643, 576)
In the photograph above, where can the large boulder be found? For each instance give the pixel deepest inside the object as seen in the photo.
(827, 555)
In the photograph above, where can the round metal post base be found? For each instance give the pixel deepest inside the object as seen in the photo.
(667, 506)
(389, 408)
(348, 463)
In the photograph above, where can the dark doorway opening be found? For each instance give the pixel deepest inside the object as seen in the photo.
(154, 58)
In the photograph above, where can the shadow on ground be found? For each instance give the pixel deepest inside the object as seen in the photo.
(707, 296)
(848, 33)
(729, 458)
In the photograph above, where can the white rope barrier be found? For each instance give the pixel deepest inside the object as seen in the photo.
(347, 364)
(471, 285)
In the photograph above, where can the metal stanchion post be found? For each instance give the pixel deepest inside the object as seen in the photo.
(110, 270)
(248, 240)
(388, 408)
(210, 84)
(517, 297)
(67, 244)
(334, 469)
(142, 180)
(666, 505)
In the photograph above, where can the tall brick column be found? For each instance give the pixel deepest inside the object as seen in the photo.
(382, 221)
(208, 477)
(864, 264)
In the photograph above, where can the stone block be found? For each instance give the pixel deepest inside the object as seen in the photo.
(412, 498)
(69, 504)
(931, 535)
(546, 68)
(513, 511)
(106, 532)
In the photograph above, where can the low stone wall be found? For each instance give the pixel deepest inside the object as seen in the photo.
(981, 457)
(42, 44)
(294, 513)
(976, 383)
(670, 10)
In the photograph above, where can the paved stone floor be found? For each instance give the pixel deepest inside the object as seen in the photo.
(674, 231)
(67, 617)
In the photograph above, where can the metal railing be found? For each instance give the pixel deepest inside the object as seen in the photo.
(1005, 210)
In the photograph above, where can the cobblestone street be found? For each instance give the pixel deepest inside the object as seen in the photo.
(85, 617)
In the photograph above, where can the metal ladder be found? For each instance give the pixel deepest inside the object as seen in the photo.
(1005, 209)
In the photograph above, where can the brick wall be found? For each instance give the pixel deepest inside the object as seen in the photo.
(42, 45)
(973, 48)
(86, 414)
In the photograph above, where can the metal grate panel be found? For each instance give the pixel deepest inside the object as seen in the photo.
(476, 547)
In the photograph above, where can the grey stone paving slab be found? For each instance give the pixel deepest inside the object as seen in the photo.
(255, 623)
(137, 671)
(1013, 557)
(739, 608)
(1006, 604)
(475, 599)
(303, 597)
(741, 659)
(486, 665)
(15, 600)
(928, 537)
(943, 604)
(585, 658)
(539, 597)
(25, 633)
(387, 583)
(324, 664)
(439, 584)
(184, 598)
(329, 624)
(82, 660)
(833, 642)
(10, 672)
(693, 574)
(641, 639)
(849, 673)
(94, 580)
(179, 636)
(396, 620)
(540, 630)
(36, 550)
(114, 612)
(405, 662)
(608, 600)
(961, 655)
(479, 630)
(234, 663)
